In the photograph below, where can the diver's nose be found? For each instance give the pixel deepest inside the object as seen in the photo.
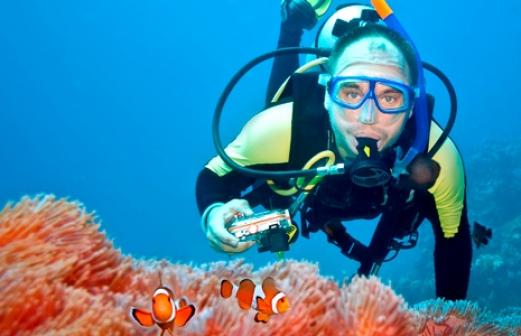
(367, 112)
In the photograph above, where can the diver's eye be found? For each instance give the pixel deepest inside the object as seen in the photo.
(388, 99)
(391, 100)
(350, 95)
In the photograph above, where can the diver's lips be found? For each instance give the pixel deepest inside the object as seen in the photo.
(376, 138)
(368, 136)
(366, 132)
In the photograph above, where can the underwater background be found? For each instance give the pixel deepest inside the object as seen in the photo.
(110, 103)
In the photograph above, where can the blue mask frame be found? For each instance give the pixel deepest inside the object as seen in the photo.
(408, 92)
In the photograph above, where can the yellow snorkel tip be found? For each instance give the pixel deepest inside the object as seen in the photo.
(382, 8)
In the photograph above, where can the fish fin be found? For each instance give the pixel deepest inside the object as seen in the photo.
(183, 315)
(142, 317)
(226, 288)
(261, 317)
(262, 305)
(268, 287)
(181, 303)
(245, 293)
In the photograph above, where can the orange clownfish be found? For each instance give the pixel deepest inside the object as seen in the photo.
(166, 311)
(267, 300)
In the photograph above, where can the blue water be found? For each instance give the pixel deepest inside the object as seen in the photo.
(110, 103)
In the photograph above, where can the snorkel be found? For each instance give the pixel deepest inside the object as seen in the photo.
(420, 106)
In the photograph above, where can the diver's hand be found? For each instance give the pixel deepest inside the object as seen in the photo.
(220, 238)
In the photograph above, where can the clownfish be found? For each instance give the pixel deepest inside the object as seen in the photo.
(266, 300)
(166, 311)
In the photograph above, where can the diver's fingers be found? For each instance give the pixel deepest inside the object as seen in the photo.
(218, 234)
(239, 204)
(223, 236)
(241, 247)
(236, 207)
(216, 229)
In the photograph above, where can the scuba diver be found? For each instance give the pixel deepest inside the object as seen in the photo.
(367, 114)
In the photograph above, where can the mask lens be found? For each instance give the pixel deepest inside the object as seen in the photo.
(350, 92)
(391, 97)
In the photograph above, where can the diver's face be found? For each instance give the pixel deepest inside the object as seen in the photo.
(361, 59)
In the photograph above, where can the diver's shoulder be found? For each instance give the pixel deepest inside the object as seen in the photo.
(277, 115)
(448, 146)
(272, 125)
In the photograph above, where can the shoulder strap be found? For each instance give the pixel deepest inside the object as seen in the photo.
(309, 128)
(310, 123)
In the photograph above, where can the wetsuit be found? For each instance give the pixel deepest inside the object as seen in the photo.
(286, 136)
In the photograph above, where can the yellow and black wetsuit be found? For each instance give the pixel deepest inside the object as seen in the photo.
(286, 136)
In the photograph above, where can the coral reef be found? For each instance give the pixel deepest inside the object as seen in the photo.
(439, 317)
(494, 180)
(497, 268)
(60, 275)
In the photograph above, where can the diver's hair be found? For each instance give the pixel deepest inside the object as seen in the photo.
(374, 30)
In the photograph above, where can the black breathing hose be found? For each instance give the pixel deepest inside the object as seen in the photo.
(320, 52)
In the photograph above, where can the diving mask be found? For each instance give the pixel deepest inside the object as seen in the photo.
(353, 91)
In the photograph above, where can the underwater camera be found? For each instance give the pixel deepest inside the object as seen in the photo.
(272, 230)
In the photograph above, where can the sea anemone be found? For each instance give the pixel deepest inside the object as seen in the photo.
(60, 275)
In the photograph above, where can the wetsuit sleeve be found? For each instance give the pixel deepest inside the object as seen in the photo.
(449, 189)
(452, 261)
(448, 215)
(264, 140)
(452, 256)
